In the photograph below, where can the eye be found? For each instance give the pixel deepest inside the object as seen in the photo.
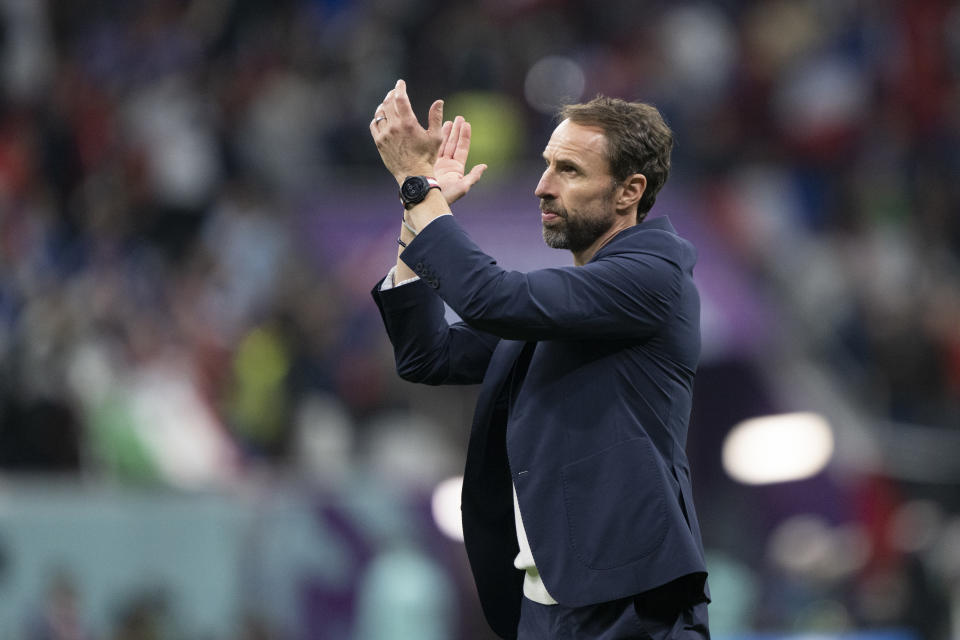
(562, 167)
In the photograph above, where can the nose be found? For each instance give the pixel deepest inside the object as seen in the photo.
(545, 187)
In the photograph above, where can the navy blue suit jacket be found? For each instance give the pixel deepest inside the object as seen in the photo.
(590, 424)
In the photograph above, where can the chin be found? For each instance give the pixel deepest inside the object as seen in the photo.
(555, 239)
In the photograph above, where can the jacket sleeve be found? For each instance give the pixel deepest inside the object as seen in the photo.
(624, 294)
(426, 348)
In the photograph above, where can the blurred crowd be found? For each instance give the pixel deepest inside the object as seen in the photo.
(157, 161)
(169, 314)
(160, 316)
(157, 158)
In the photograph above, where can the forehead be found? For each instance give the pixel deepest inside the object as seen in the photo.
(587, 144)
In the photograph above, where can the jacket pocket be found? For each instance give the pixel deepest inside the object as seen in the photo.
(615, 504)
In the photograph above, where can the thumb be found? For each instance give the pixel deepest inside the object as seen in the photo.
(435, 117)
(475, 174)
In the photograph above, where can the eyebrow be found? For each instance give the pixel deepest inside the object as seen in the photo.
(563, 160)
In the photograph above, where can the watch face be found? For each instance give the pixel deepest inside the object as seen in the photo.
(414, 189)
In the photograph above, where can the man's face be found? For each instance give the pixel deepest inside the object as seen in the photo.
(576, 189)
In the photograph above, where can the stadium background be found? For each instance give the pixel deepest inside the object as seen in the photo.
(201, 433)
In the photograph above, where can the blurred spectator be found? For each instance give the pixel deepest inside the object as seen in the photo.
(61, 613)
(144, 616)
(189, 211)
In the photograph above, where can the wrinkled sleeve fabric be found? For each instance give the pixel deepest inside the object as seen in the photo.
(621, 294)
(427, 349)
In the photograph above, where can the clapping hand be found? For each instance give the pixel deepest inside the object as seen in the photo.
(452, 161)
(407, 149)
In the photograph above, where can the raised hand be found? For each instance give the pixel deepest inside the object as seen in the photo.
(406, 148)
(452, 161)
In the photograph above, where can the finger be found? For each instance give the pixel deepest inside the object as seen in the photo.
(393, 102)
(446, 146)
(379, 114)
(458, 123)
(375, 131)
(449, 140)
(463, 143)
(391, 108)
(402, 101)
(475, 174)
(435, 117)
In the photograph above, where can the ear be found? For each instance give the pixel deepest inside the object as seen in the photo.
(630, 191)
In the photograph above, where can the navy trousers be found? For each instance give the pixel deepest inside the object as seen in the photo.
(624, 619)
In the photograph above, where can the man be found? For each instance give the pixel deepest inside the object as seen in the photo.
(577, 511)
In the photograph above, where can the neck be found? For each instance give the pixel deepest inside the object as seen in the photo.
(622, 221)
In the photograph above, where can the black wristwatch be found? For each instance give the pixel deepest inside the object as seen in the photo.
(415, 188)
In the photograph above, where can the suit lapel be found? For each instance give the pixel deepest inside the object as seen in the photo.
(488, 435)
(501, 365)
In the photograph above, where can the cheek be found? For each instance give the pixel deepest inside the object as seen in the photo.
(591, 199)
(579, 194)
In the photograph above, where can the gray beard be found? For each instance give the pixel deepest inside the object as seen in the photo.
(576, 235)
